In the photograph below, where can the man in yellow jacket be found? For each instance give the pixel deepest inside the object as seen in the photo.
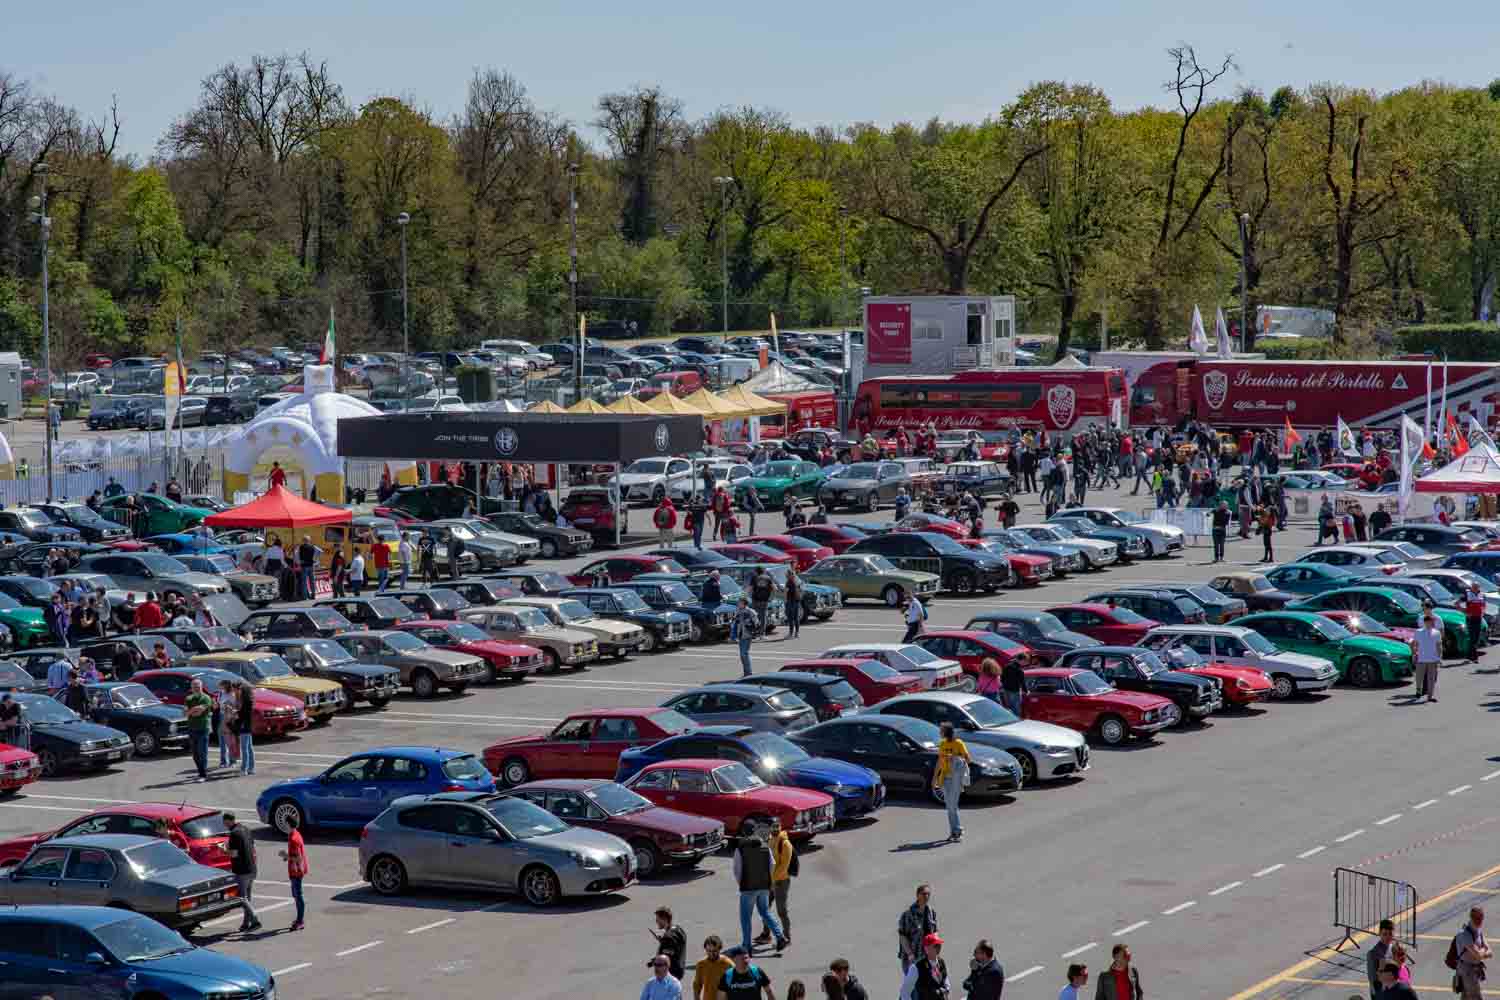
(781, 882)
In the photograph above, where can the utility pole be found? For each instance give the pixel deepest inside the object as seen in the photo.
(573, 281)
(843, 261)
(724, 183)
(40, 217)
(1244, 221)
(403, 220)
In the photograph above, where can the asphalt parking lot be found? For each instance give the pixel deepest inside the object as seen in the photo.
(1209, 849)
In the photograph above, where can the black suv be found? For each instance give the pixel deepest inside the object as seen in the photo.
(229, 409)
(1131, 668)
(808, 443)
(963, 571)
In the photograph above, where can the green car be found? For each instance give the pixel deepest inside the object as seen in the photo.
(779, 480)
(1363, 660)
(1395, 609)
(873, 577)
(161, 516)
(28, 626)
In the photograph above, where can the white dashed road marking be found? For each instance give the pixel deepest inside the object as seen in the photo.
(1131, 927)
(1424, 805)
(1267, 871)
(1460, 788)
(1027, 972)
(292, 968)
(1389, 819)
(357, 948)
(1080, 950)
(1226, 888)
(1349, 836)
(1491, 776)
(1179, 908)
(431, 926)
(1316, 850)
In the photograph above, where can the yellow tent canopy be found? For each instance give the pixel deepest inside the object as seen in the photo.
(751, 405)
(587, 406)
(546, 406)
(711, 405)
(667, 403)
(629, 404)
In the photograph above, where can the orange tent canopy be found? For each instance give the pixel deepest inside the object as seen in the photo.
(278, 508)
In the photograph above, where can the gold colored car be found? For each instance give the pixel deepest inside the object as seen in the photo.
(320, 698)
(873, 577)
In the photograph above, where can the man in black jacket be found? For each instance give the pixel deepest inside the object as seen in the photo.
(1221, 517)
(1012, 686)
(853, 988)
(671, 941)
(752, 873)
(986, 976)
(241, 848)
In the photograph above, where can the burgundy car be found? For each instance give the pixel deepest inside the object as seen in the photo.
(874, 681)
(804, 551)
(660, 837)
(1113, 626)
(624, 567)
(837, 537)
(511, 660)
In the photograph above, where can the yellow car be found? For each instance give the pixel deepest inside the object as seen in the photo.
(321, 698)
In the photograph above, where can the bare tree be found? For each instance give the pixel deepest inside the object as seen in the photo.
(642, 128)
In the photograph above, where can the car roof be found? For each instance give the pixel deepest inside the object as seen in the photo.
(427, 752)
(733, 687)
(959, 698)
(892, 646)
(107, 841)
(1234, 630)
(699, 763)
(633, 713)
(232, 655)
(1008, 614)
(823, 661)
(565, 784)
(1107, 649)
(795, 676)
(87, 917)
(1096, 606)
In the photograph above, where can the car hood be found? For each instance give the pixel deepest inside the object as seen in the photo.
(77, 732)
(443, 656)
(993, 756)
(1290, 659)
(827, 771)
(756, 482)
(362, 670)
(169, 713)
(1181, 678)
(603, 626)
(29, 616)
(1070, 640)
(197, 581)
(636, 478)
(266, 699)
(1044, 733)
(300, 685)
(1137, 699)
(580, 838)
(208, 971)
(1269, 595)
(1376, 644)
(254, 579)
(792, 798)
(664, 820)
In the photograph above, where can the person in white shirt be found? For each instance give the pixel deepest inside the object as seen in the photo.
(1078, 978)
(357, 571)
(405, 553)
(915, 615)
(1427, 651)
(662, 985)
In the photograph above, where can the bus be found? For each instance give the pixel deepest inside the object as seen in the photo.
(1000, 399)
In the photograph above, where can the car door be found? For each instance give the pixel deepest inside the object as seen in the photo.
(88, 878)
(879, 748)
(35, 880)
(339, 797)
(1118, 669)
(613, 735)
(423, 846)
(1046, 700)
(693, 791)
(28, 968)
(565, 752)
(471, 848)
(398, 776)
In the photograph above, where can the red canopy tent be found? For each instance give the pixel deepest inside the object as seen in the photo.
(278, 508)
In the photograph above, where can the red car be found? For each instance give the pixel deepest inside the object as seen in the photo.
(750, 552)
(971, 647)
(275, 714)
(96, 361)
(625, 567)
(1082, 700)
(836, 536)
(1115, 626)
(584, 745)
(874, 681)
(659, 837)
(932, 522)
(804, 551)
(1240, 685)
(511, 660)
(17, 768)
(1026, 569)
(730, 792)
(198, 830)
(1363, 624)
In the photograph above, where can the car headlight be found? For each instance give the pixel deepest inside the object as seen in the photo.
(841, 789)
(1048, 748)
(1242, 684)
(584, 860)
(993, 770)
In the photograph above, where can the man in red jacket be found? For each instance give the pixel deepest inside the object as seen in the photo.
(665, 519)
(148, 615)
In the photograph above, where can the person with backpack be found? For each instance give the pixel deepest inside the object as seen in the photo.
(785, 866)
(744, 981)
(753, 867)
(1467, 953)
(665, 519)
(916, 614)
(762, 589)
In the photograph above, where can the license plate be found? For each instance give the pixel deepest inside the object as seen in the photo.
(117, 755)
(212, 897)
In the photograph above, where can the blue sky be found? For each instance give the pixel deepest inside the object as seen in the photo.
(829, 62)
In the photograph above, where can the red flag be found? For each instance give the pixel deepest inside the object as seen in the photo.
(1460, 446)
(1292, 437)
(1427, 450)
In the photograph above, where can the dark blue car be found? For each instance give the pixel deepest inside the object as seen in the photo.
(1486, 563)
(673, 592)
(778, 761)
(69, 951)
(358, 788)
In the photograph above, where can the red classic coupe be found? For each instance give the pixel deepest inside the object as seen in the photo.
(804, 551)
(198, 830)
(275, 714)
(874, 681)
(511, 660)
(730, 792)
(1082, 700)
(584, 745)
(1113, 626)
(971, 647)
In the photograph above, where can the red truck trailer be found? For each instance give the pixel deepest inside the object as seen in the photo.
(996, 399)
(1261, 393)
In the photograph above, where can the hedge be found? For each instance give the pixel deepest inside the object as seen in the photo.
(1456, 341)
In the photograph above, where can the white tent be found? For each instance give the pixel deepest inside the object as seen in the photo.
(1069, 361)
(1478, 471)
(775, 379)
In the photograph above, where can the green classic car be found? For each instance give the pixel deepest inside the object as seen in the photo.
(873, 577)
(1363, 660)
(156, 515)
(1395, 609)
(27, 626)
(779, 480)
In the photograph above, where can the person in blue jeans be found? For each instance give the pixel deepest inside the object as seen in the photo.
(244, 727)
(752, 872)
(743, 632)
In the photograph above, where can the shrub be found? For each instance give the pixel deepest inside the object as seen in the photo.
(1456, 341)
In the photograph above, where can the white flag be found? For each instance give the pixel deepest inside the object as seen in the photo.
(1427, 413)
(1411, 452)
(1477, 433)
(1222, 329)
(1348, 444)
(1442, 424)
(1198, 342)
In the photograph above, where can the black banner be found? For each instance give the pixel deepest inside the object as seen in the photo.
(583, 438)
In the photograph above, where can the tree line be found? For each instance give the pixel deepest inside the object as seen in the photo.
(274, 198)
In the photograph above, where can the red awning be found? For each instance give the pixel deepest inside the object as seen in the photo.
(278, 508)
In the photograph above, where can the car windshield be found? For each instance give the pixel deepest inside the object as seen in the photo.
(1089, 682)
(403, 643)
(1127, 617)
(1330, 629)
(573, 611)
(988, 714)
(532, 618)
(32, 518)
(1057, 532)
(1388, 558)
(160, 564)
(1363, 624)
(523, 820)
(328, 652)
(1149, 663)
(1129, 518)
(678, 593)
(270, 665)
(616, 800)
(133, 696)
(444, 599)
(859, 470)
(465, 632)
(40, 708)
(876, 671)
(460, 531)
(780, 470)
(919, 656)
(157, 856)
(219, 637)
(737, 778)
(389, 607)
(1404, 601)
(775, 750)
(647, 467)
(138, 938)
(213, 563)
(1439, 593)
(1183, 656)
(944, 544)
(1259, 643)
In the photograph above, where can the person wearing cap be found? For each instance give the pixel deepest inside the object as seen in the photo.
(662, 985)
(927, 978)
(744, 981)
(1474, 616)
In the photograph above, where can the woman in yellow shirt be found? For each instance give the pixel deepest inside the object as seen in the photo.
(950, 776)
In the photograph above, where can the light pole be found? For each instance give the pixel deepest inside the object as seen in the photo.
(843, 264)
(573, 281)
(1244, 221)
(724, 183)
(40, 217)
(403, 220)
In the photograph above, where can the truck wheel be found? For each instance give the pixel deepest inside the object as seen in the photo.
(892, 595)
(549, 549)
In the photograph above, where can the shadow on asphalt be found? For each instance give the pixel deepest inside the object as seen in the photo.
(457, 901)
(921, 845)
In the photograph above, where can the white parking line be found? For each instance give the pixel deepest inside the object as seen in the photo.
(462, 715)
(358, 948)
(1266, 871)
(1131, 927)
(1027, 972)
(1179, 908)
(428, 927)
(1389, 819)
(1424, 805)
(1460, 788)
(1225, 888)
(240, 916)
(1080, 950)
(1316, 850)
(292, 968)
(1348, 836)
(1491, 776)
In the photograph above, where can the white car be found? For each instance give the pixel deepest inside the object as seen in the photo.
(1044, 751)
(646, 480)
(726, 474)
(1360, 558)
(1411, 554)
(1237, 646)
(1097, 551)
(530, 547)
(935, 673)
(1161, 539)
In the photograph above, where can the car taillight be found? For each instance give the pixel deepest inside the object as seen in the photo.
(364, 833)
(454, 788)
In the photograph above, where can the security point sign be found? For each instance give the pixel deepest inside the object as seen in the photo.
(888, 333)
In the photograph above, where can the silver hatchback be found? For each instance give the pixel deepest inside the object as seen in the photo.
(479, 840)
(727, 703)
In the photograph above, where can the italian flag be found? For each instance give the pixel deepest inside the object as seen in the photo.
(328, 349)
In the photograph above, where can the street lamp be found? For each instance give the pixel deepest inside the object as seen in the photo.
(573, 334)
(1244, 221)
(843, 265)
(403, 220)
(724, 183)
(40, 217)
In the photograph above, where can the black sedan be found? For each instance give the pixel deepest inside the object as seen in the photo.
(327, 660)
(1132, 668)
(903, 751)
(29, 590)
(136, 711)
(1043, 632)
(480, 592)
(1220, 608)
(372, 612)
(37, 659)
(91, 525)
(65, 742)
(439, 602)
(36, 526)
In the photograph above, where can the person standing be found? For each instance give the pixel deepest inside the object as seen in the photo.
(357, 572)
(241, 848)
(753, 505)
(1474, 616)
(752, 873)
(1379, 521)
(744, 981)
(455, 553)
(1377, 955)
(380, 552)
(1078, 978)
(849, 983)
(794, 609)
(229, 743)
(986, 980)
(244, 727)
(1427, 652)
(917, 921)
(916, 613)
(671, 941)
(307, 563)
(1472, 951)
(902, 503)
(404, 555)
(783, 859)
(665, 519)
(662, 985)
(277, 476)
(1221, 517)
(295, 857)
(927, 978)
(742, 631)
(762, 589)
(951, 776)
(709, 971)
(336, 572)
(200, 718)
(1120, 981)
(697, 514)
(989, 680)
(10, 722)
(1265, 520)
(57, 676)
(428, 548)
(1013, 687)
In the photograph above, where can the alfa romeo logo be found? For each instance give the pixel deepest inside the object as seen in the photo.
(663, 437)
(507, 441)
(1215, 388)
(1061, 401)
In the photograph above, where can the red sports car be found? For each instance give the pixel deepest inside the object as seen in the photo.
(932, 522)
(198, 830)
(1115, 626)
(17, 768)
(584, 745)
(275, 714)
(1363, 624)
(1082, 700)
(804, 551)
(624, 567)
(837, 537)
(750, 552)
(511, 660)
(659, 837)
(971, 647)
(730, 792)
(1025, 569)
(874, 681)
(1240, 685)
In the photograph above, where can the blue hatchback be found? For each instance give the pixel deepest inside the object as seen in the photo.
(97, 951)
(358, 788)
(777, 760)
(182, 542)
